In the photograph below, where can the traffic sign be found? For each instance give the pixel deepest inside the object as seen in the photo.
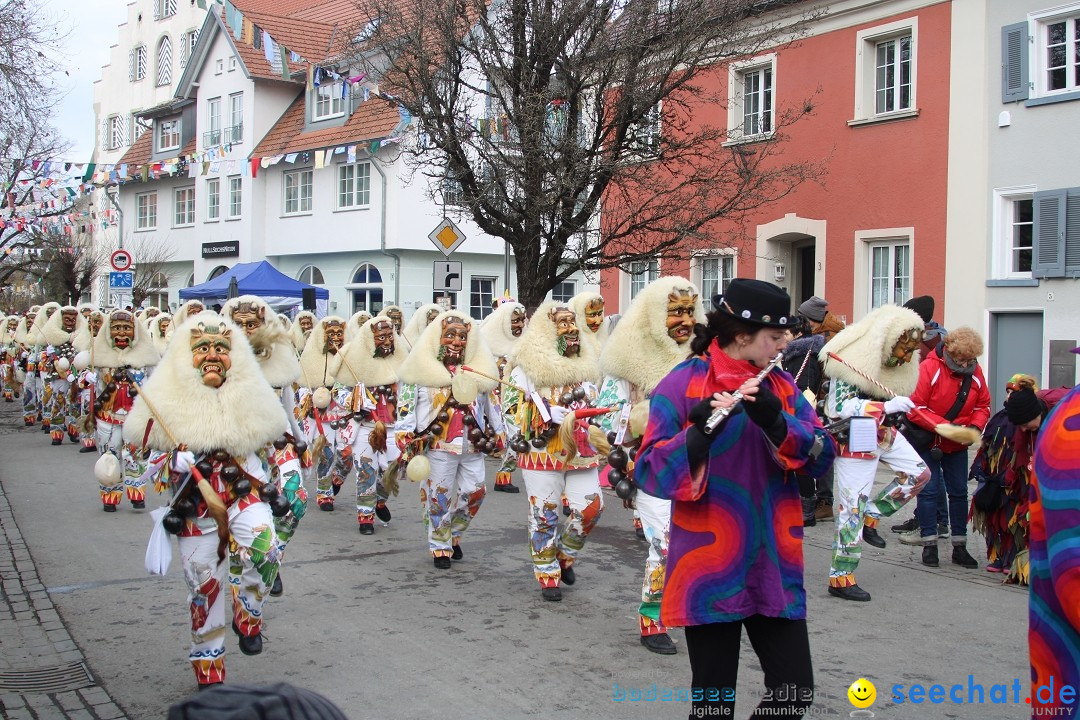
(120, 280)
(446, 236)
(447, 276)
(120, 260)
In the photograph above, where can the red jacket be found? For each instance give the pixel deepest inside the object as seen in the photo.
(936, 393)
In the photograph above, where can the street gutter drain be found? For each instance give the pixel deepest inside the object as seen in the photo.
(59, 678)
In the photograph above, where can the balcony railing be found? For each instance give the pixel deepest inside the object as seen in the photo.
(226, 136)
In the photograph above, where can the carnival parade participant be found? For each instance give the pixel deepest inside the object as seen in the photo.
(735, 559)
(213, 410)
(122, 351)
(396, 316)
(34, 399)
(419, 321)
(878, 352)
(501, 331)
(325, 407)
(449, 418)
(369, 365)
(158, 327)
(86, 378)
(280, 367)
(301, 329)
(652, 337)
(11, 359)
(593, 325)
(58, 334)
(1054, 599)
(559, 453)
(189, 309)
(951, 391)
(356, 321)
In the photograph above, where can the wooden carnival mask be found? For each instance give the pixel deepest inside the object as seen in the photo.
(566, 329)
(211, 353)
(680, 315)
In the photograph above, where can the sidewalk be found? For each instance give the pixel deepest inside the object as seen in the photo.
(42, 672)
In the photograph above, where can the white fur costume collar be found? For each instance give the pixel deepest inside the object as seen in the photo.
(867, 344)
(317, 369)
(358, 356)
(82, 340)
(352, 328)
(241, 416)
(139, 354)
(35, 335)
(296, 333)
(54, 332)
(600, 337)
(537, 353)
(423, 366)
(496, 329)
(271, 343)
(640, 350)
(419, 322)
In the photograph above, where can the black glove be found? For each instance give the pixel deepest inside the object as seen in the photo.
(765, 411)
(697, 440)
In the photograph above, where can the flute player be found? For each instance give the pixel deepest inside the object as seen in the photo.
(735, 557)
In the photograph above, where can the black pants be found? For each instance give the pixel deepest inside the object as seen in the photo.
(783, 648)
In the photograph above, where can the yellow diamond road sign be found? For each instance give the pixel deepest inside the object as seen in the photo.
(446, 236)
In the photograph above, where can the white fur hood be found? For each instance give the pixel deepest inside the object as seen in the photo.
(139, 354)
(317, 368)
(358, 361)
(241, 416)
(423, 366)
(54, 332)
(537, 353)
(496, 329)
(867, 344)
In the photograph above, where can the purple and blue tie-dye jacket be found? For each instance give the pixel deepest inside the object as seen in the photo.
(736, 523)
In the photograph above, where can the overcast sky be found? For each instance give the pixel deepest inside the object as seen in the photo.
(92, 26)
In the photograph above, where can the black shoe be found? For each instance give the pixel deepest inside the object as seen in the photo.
(91, 448)
(58, 441)
(336, 489)
(566, 510)
(208, 686)
(507, 488)
(457, 553)
(382, 512)
(907, 526)
(552, 594)
(929, 555)
(568, 575)
(961, 557)
(853, 592)
(367, 529)
(249, 645)
(872, 537)
(138, 504)
(108, 508)
(809, 505)
(640, 532)
(277, 590)
(442, 562)
(660, 644)
(326, 507)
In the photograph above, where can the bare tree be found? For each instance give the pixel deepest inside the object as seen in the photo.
(151, 256)
(534, 115)
(31, 42)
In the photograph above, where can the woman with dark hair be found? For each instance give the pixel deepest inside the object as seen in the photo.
(735, 555)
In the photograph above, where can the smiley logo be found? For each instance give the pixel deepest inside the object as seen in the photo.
(862, 693)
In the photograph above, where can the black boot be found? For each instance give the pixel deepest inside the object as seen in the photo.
(661, 644)
(809, 505)
(963, 558)
(278, 589)
(382, 512)
(852, 592)
(249, 645)
(929, 555)
(872, 537)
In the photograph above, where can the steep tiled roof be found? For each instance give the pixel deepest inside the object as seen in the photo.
(373, 120)
(254, 59)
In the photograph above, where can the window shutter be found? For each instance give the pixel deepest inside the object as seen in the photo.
(104, 134)
(157, 9)
(1014, 62)
(131, 65)
(1072, 232)
(1049, 232)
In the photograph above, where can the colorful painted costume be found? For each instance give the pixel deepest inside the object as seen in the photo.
(501, 331)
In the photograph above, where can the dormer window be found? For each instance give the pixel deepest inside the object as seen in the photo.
(168, 135)
(328, 101)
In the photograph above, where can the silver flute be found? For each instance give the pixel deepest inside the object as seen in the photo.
(720, 414)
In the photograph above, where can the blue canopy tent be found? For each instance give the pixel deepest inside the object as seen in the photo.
(257, 278)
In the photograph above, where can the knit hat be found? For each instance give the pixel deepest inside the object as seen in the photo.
(814, 309)
(1023, 406)
(923, 305)
(279, 701)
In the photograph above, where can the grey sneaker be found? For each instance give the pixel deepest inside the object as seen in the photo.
(914, 538)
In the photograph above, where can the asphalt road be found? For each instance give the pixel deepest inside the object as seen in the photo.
(369, 623)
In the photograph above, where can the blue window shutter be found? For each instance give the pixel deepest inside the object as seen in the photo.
(1072, 232)
(1049, 234)
(1014, 62)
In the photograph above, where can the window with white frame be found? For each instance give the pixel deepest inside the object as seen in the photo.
(890, 273)
(117, 132)
(885, 70)
(187, 46)
(212, 136)
(452, 195)
(297, 192)
(137, 128)
(235, 132)
(641, 274)
(236, 196)
(168, 135)
(311, 275)
(146, 211)
(213, 199)
(1055, 52)
(1013, 232)
(481, 294)
(137, 63)
(329, 102)
(563, 291)
(643, 136)
(751, 111)
(232, 63)
(354, 185)
(164, 9)
(715, 273)
(164, 61)
(217, 272)
(184, 206)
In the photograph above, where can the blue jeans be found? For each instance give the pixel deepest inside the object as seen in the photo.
(951, 472)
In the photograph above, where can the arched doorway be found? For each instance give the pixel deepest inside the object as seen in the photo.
(366, 287)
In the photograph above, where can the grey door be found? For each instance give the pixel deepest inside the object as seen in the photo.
(1016, 346)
